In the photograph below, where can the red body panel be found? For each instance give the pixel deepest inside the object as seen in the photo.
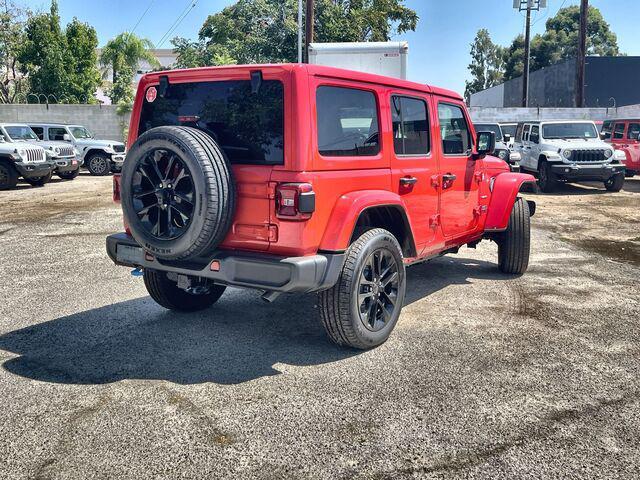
(626, 140)
(440, 214)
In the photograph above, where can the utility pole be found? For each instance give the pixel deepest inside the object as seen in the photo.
(528, 6)
(299, 31)
(582, 54)
(309, 27)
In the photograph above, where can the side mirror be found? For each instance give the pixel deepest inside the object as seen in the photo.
(603, 136)
(507, 138)
(485, 143)
(66, 137)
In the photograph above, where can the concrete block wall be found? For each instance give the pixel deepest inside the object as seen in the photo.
(506, 115)
(102, 120)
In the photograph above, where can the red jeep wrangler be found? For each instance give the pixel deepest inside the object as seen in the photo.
(624, 135)
(300, 178)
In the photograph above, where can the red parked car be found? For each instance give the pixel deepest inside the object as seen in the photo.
(624, 134)
(300, 178)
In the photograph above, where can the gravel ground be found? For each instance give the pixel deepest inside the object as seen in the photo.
(485, 376)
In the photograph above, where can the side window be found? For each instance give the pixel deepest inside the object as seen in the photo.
(525, 133)
(347, 122)
(410, 126)
(606, 130)
(56, 133)
(634, 131)
(519, 130)
(456, 137)
(618, 131)
(534, 136)
(39, 131)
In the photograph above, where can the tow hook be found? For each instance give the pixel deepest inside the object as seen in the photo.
(270, 296)
(137, 272)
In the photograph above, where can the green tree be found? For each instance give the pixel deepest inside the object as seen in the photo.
(44, 56)
(13, 84)
(486, 65)
(259, 31)
(85, 78)
(121, 56)
(514, 58)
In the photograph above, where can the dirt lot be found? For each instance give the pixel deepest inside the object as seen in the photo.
(485, 376)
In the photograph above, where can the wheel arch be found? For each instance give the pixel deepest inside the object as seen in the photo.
(504, 191)
(356, 212)
(93, 150)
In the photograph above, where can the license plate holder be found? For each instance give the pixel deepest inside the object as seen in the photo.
(129, 254)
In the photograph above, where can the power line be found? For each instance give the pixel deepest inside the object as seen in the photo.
(141, 17)
(190, 6)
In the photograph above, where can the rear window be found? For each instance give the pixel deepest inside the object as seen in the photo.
(248, 126)
(347, 122)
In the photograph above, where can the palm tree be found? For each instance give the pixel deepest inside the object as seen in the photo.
(126, 50)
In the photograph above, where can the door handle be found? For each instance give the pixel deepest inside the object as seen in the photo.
(447, 180)
(408, 181)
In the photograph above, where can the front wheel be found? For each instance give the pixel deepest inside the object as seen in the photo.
(167, 294)
(614, 183)
(363, 307)
(547, 180)
(39, 181)
(514, 246)
(8, 176)
(99, 164)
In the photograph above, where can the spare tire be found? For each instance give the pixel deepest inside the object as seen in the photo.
(177, 191)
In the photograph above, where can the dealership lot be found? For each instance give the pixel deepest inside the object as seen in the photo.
(484, 375)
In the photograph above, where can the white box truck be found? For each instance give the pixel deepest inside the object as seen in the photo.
(381, 58)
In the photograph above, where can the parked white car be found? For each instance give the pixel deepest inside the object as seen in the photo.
(65, 156)
(568, 151)
(23, 160)
(100, 157)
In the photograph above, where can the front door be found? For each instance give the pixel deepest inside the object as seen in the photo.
(460, 173)
(633, 151)
(413, 164)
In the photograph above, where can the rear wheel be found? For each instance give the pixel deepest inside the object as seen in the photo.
(69, 175)
(8, 176)
(167, 294)
(363, 307)
(614, 183)
(514, 246)
(547, 180)
(99, 164)
(39, 181)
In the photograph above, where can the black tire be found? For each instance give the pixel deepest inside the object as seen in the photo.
(514, 246)
(340, 309)
(69, 175)
(39, 181)
(614, 183)
(166, 293)
(98, 164)
(213, 196)
(8, 176)
(547, 180)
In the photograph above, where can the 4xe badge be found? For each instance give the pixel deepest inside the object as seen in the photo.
(151, 95)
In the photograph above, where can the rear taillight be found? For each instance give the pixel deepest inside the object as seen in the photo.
(116, 187)
(295, 201)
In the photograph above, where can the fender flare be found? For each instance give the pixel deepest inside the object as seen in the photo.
(91, 150)
(347, 211)
(506, 187)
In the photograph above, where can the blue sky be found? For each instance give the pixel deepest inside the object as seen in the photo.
(439, 48)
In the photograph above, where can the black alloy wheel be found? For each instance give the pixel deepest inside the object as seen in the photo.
(163, 194)
(378, 290)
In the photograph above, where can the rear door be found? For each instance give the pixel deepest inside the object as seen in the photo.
(248, 124)
(459, 171)
(413, 164)
(633, 150)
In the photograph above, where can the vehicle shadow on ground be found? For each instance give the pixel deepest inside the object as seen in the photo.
(237, 340)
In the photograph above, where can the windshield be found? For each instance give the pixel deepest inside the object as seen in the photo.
(248, 125)
(569, 130)
(509, 130)
(80, 132)
(490, 127)
(20, 132)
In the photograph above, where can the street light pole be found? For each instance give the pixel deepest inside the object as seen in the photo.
(582, 54)
(527, 56)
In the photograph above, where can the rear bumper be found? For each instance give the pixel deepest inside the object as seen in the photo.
(587, 172)
(33, 170)
(259, 271)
